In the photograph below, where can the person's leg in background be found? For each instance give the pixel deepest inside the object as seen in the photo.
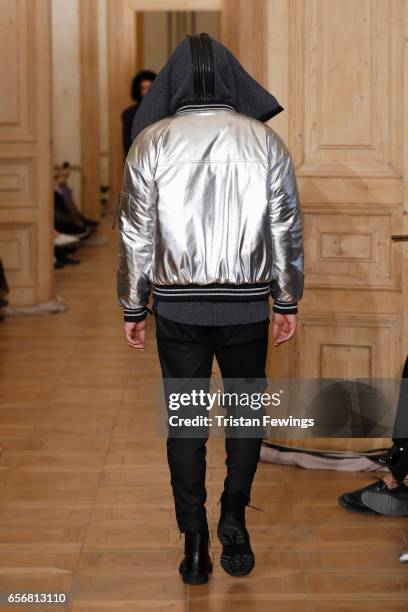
(389, 495)
(400, 445)
(241, 352)
(185, 352)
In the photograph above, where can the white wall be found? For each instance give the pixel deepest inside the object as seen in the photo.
(103, 90)
(66, 100)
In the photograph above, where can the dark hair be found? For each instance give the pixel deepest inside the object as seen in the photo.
(144, 75)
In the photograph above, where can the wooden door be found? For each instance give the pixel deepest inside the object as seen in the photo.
(340, 71)
(26, 218)
(349, 115)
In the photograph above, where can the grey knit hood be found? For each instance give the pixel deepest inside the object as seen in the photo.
(174, 86)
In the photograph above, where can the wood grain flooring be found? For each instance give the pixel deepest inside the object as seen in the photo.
(86, 506)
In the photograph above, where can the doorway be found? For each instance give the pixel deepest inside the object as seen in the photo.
(141, 38)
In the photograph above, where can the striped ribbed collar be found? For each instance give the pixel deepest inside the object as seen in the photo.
(188, 108)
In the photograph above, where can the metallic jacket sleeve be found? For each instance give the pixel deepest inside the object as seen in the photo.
(136, 220)
(286, 231)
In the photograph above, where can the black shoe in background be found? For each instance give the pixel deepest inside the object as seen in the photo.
(63, 257)
(404, 557)
(88, 221)
(196, 565)
(353, 500)
(385, 501)
(71, 260)
(237, 557)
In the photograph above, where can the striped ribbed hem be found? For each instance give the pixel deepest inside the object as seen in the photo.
(211, 293)
(133, 315)
(285, 308)
(205, 106)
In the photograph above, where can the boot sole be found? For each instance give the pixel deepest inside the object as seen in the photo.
(195, 580)
(387, 505)
(233, 563)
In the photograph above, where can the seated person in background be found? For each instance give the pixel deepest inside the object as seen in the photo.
(64, 246)
(389, 495)
(64, 222)
(66, 192)
(67, 218)
(140, 86)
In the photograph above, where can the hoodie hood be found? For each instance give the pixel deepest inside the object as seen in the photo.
(201, 70)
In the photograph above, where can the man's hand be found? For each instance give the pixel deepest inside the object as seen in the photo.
(284, 327)
(136, 335)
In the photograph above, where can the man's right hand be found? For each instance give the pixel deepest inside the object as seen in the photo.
(284, 327)
(136, 335)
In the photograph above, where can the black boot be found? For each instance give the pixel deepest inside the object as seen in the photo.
(237, 558)
(196, 564)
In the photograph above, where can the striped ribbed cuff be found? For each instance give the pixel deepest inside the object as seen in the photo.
(133, 315)
(285, 308)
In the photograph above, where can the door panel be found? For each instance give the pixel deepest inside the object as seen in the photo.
(26, 219)
(352, 87)
(346, 106)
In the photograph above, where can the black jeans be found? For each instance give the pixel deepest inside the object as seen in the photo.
(187, 351)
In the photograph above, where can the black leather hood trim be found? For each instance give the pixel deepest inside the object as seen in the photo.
(203, 66)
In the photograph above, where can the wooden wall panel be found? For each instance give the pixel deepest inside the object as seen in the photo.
(353, 348)
(26, 217)
(346, 109)
(90, 147)
(17, 182)
(349, 109)
(17, 245)
(351, 245)
(17, 45)
(243, 31)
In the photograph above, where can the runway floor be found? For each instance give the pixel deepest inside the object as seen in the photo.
(85, 501)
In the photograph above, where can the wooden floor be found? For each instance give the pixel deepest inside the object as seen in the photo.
(86, 506)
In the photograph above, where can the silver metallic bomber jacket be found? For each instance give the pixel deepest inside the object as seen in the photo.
(209, 210)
